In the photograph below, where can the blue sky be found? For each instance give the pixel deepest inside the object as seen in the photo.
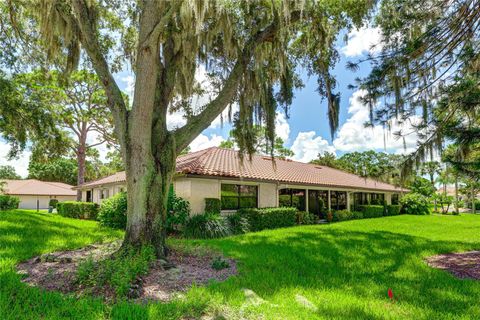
(306, 131)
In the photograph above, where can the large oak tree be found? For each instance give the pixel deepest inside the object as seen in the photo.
(250, 49)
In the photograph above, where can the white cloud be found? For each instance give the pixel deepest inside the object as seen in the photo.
(282, 128)
(353, 136)
(307, 146)
(20, 164)
(363, 40)
(203, 142)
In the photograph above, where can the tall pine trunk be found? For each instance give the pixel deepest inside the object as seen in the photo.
(81, 158)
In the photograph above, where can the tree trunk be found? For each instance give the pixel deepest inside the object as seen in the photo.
(149, 175)
(81, 157)
(473, 200)
(456, 195)
(432, 181)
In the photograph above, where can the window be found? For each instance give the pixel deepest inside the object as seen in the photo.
(89, 196)
(318, 202)
(292, 198)
(360, 198)
(377, 198)
(338, 200)
(395, 198)
(103, 193)
(235, 196)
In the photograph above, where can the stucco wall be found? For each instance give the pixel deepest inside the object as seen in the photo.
(30, 202)
(267, 195)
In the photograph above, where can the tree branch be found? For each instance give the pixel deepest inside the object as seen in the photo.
(91, 44)
(185, 135)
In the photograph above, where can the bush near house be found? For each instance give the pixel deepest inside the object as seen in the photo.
(53, 203)
(304, 217)
(414, 203)
(371, 211)
(269, 218)
(78, 210)
(392, 210)
(206, 226)
(213, 205)
(344, 215)
(178, 210)
(8, 202)
(237, 223)
(113, 211)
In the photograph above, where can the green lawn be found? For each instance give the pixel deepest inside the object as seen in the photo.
(337, 271)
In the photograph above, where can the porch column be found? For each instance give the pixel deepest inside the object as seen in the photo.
(348, 200)
(329, 202)
(306, 200)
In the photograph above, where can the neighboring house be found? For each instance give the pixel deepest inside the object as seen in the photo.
(36, 194)
(219, 173)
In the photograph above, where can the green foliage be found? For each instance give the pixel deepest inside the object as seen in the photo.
(59, 170)
(371, 211)
(237, 223)
(8, 202)
(393, 210)
(78, 210)
(206, 226)
(178, 210)
(9, 173)
(344, 215)
(304, 217)
(444, 201)
(422, 186)
(213, 205)
(269, 218)
(117, 272)
(113, 211)
(218, 263)
(53, 203)
(415, 203)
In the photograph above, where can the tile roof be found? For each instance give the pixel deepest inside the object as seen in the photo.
(38, 188)
(217, 162)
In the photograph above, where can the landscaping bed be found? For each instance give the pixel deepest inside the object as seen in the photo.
(165, 279)
(461, 265)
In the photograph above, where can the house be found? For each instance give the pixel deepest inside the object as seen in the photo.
(219, 173)
(36, 194)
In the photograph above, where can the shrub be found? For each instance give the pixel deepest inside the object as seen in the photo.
(344, 215)
(237, 223)
(178, 210)
(218, 264)
(414, 203)
(8, 202)
(78, 210)
(371, 211)
(269, 218)
(329, 216)
(213, 205)
(303, 217)
(118, 273)
(469, 204)
(113, 211)
(53, 203)
(392, 210)
(206, 226)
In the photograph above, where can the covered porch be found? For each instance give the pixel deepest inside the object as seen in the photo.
(321, 200)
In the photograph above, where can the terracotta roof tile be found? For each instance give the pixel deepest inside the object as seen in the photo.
(38, 188)
(219, 162)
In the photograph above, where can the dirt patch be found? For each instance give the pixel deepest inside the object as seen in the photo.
(462, 265)
(165, 280)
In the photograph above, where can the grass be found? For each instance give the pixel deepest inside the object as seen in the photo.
(336, 271)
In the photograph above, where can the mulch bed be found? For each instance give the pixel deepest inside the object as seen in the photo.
(462, 265)
(165, 280)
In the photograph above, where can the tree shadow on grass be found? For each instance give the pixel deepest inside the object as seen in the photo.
(363, 265)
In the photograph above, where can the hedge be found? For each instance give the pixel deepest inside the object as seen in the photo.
(113, 211)
(304, 217)
(206, 226)
(344, 215)
(53, 203)
(371, 211)
(213, 205)
(269, 218)
(393, 210)
(8, 202)
(78, 210)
